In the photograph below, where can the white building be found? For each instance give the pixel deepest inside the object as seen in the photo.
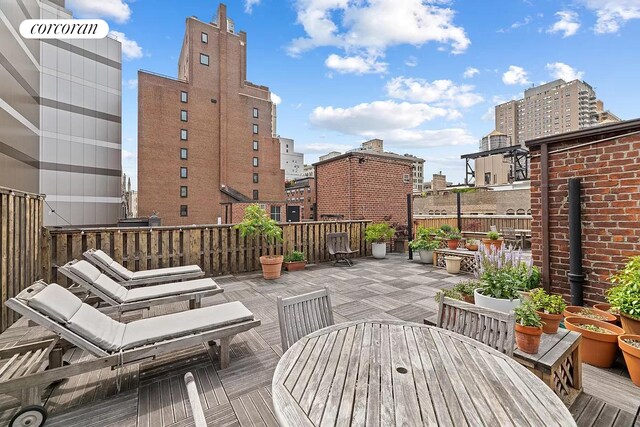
(290, 161)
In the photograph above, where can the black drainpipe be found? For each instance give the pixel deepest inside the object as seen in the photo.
(410, 223)
(576, 278)
(459, 210)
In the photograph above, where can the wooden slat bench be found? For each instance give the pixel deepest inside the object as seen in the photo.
(467, 264)
(557, 363)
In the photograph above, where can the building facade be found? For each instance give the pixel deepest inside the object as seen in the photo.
(205, 138)
(364, 185)
(291, 162)
(60, 118)
(302, 192)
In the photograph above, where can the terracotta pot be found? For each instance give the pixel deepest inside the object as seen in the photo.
(597, 349)
(574, 310)
(271, 266)
(550, 322)
(295, 265)
(452, 244)
(472, 247)
(605, 307)
(629, 324)
(488, 244)
(528, 338)
(631, 357)
(469, 298)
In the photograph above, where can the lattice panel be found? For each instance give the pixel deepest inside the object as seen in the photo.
(467, 264)
(563, 377)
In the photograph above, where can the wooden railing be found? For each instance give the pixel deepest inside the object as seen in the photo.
(20, 240)
(217, 249)
(475, 223)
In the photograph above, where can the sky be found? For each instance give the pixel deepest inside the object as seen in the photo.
(423, 75)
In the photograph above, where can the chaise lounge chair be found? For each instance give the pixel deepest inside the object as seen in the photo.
(127, 277)
(108, 290)
(113, 344)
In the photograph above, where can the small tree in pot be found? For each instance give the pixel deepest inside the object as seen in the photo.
(549, 308)
(528, 328)
(256, 222)
(625, 295)
(377, 235)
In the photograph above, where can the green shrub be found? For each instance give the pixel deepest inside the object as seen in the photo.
(467, 287)
(493, 235)
(295, 256)
(625, 294)
(379, 233)
(545, 303)
(425, 239)
(256, 222)
(527, 316)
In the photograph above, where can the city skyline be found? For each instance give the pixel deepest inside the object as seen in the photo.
(352, 74)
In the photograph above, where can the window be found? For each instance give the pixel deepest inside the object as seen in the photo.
(184, 210)
(183, 172)
(275, 213)
(204, 59)
(183, 134)
(204, 38)
(183, 154)
(255, 178)
(255, 162)
(255, 113)
(183, 96)
(183, 115)
(255, 145)
(405, 178)
(487, 178)
(255, 195)
(255, 128)
(184, 191)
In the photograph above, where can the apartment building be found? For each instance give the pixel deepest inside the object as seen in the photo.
(60, 117)
(205, 138)
(302, 192)
(291, 162)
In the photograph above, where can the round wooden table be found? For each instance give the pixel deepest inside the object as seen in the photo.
(391, 373)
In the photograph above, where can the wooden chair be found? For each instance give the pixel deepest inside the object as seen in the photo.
(303, 314)
(509, 235)
(338, 246)
(490, 327)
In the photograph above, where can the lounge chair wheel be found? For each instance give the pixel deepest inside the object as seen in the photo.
(29, 416)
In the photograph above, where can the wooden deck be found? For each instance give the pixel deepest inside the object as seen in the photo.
(153, 394)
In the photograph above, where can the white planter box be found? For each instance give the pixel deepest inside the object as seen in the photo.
(426, 257)
(503, 305)
(379, 250)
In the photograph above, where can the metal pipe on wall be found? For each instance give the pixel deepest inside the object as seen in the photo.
(576, 277)
(544, 220)
(410, 223)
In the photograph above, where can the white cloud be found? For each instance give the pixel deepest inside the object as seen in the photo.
(117, 10)
(411, 61)
(128, 155)
(470, 72)
(442, 93)
(131, 83)
(416, 139)
(515, 76)
(373, 26)
(130, 48)
(559, 70)
(568, 23)
(248, 5)
(275, 99)
(323, 148)
(489, 115)
(612, 14)
(355, 64)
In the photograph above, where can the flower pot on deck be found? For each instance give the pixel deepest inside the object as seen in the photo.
(631, 356)
(379, 250)
(489, 243)
(426, 257)
(271, 266)
(607, 307)
(452, 244)
(574, 311)
(453, 264)
(597, 348)
(295, 265)
(528, 338)
(505, 305)
(550, 322)
(629, 324)
(471, 247)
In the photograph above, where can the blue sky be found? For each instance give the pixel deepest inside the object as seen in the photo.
(422, 75)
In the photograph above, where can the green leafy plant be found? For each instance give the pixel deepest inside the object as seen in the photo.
(454, 234)
(379, 233)
(625, 294)
(425, 239)
(500, 283)
(295, 256)
(467, 287)
(445, 228)
(449, 293)
(545, 303)
(493, 235)
(527, 316)
(594, 328)
(473, 242)
(256, 222)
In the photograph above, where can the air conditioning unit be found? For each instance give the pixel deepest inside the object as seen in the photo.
(405, 178)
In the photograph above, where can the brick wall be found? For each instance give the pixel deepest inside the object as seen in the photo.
(302, 192)
(610, 197)
(364, 186)
(479, 201)
(235, 211)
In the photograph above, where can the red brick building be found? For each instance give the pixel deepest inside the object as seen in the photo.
(606, 159)
(364, 185)
(302, 192)
(205, 138)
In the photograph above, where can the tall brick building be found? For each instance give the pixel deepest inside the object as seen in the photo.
(205, 138)
(364, 185)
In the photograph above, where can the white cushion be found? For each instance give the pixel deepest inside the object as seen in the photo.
(97, 328)
(161, 328)
(102, 256)
(56, 302)
(121, 271)
(169, 271)
(178, 288)
(111, 288)
(85, 271)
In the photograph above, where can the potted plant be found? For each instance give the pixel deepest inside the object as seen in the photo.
(453, 237)
(589, 313)
(625, 295)
(378, 234)
(466, 290)
(492, 241)
(604, 306)
(256, 222)
(528, 328)
(453, 264)
(425, 243)
(599, 346)
(472, 245)
(630, 346)
(549, 308)
(294, 261)
(498, 290)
